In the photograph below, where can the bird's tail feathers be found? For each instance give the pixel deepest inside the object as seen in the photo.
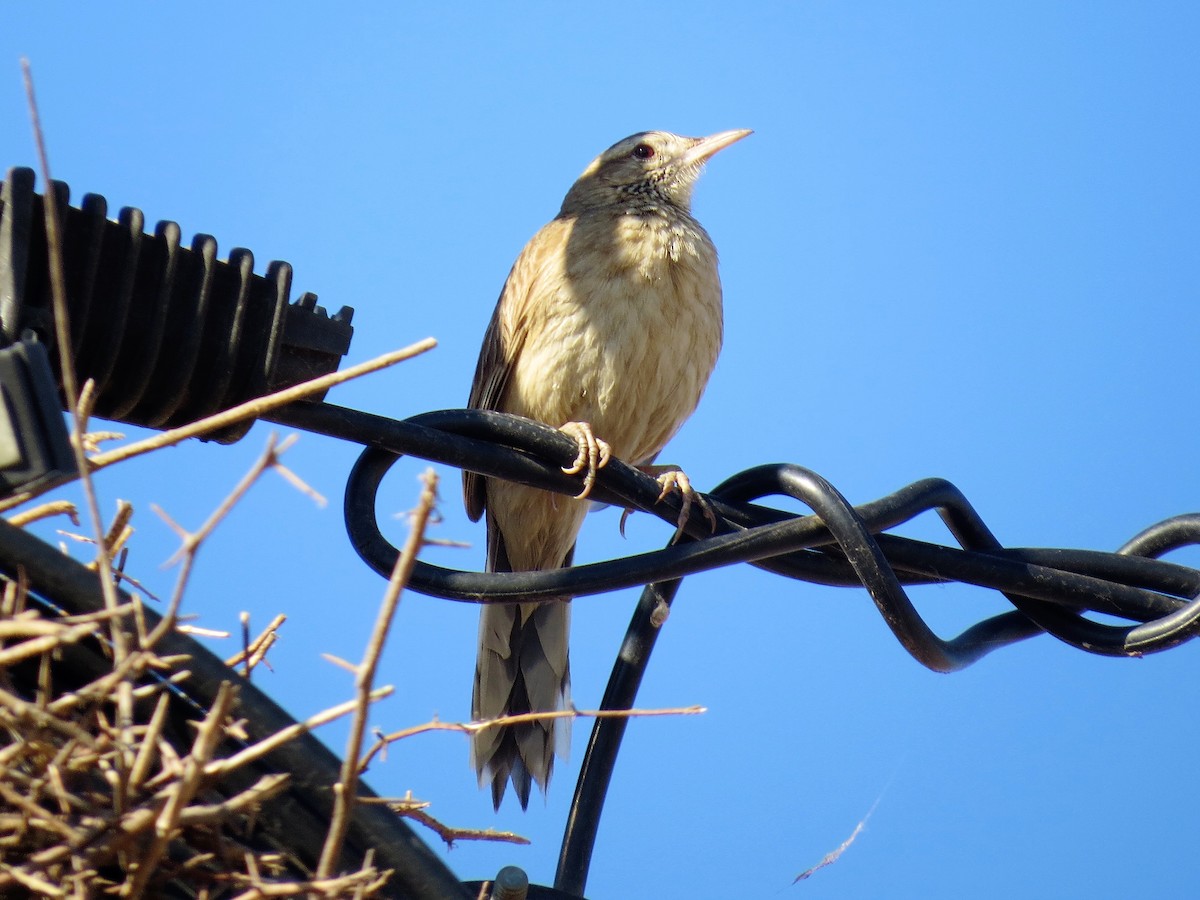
(523, 666)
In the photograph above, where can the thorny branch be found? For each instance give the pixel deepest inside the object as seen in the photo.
(251, 409)
(255, 651)
(411, 808)
(346, 790)
(191, 541)
(62, 332)
(383, 741)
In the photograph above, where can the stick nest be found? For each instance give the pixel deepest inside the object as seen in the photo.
(100, 794)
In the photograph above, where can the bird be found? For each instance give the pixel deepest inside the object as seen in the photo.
(608, 327)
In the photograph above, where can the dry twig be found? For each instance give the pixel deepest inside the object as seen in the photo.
(251, 409)
(191, 541)
(70, 384)
(346, 790)
(384, 740)
(410, 808)
(255, 650)
(45, 511)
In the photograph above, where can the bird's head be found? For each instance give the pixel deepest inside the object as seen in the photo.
(651, 168)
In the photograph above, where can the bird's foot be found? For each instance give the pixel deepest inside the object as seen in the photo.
(672, 478)
(593, 455)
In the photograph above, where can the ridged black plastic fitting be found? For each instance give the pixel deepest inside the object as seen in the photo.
(169, 333)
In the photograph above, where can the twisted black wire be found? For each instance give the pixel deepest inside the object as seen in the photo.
(839, 545)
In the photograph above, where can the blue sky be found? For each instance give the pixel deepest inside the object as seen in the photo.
(962, 242)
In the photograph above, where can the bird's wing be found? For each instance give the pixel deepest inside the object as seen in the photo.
(491, 377)
(505, 336)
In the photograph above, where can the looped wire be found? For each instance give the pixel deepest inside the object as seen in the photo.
(839, 545)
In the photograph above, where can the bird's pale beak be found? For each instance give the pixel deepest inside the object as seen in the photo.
(706, 147)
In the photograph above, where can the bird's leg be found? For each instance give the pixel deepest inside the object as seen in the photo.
(673, 478)
(593, 455)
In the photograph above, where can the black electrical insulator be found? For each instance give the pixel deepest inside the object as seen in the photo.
(168, 332)
(34, 445)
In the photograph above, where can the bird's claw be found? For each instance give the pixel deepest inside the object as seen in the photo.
(675, 479)
(593, 455)
(671, 480)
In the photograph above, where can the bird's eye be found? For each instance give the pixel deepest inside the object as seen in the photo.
(643, 151)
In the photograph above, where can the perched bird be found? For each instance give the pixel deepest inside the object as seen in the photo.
(608, 327)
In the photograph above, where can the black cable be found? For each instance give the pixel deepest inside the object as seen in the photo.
(841, 545)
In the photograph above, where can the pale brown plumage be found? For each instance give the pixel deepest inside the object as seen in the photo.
(609, 323)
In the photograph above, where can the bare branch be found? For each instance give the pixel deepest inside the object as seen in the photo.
(62, 338)
(279, 738)
(521, 719)
(256, 649)
(413, 809)
(181, 792)
(45, 511)
(190, 543)
(345, 797)
(252, 409)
